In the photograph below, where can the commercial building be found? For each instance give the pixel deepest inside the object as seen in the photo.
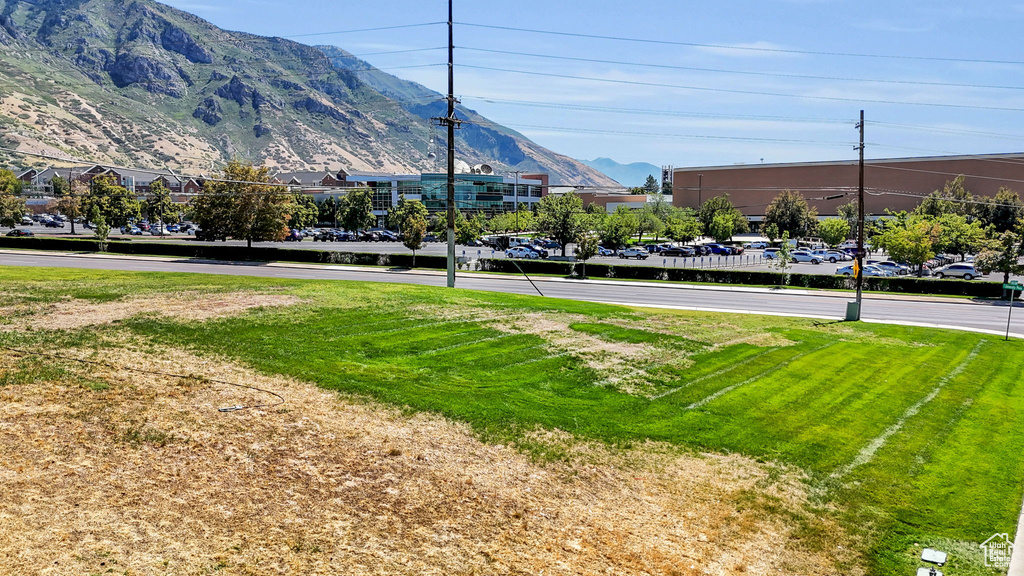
(894, 183)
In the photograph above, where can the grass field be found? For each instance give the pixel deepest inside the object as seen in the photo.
(908, 437)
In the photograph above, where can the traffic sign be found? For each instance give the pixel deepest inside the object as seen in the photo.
(856, 267)
(1013, 286)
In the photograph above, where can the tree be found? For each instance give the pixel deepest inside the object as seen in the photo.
(242, 203)
(957, 236)
(1005, 212)
(305, 214)
(12, 206)
(647, 221)
(790, 213)
(328, 211)
(1002, 254)
(833, 231)
(470, 229)
(721, 227)
(651, 185)
(771, 231)
(561, 216)
(355, 211)
(100, 228)
(952, 199)
(713, 206)
(404, 210)
(850, 212)
(682, 226)
(117, 205)
(586, 248)
(69, 199)
(414, 227)
(909, 239)
(158, 205)
(615, 229)
(783, 258)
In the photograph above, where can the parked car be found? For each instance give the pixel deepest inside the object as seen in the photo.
(834, 256)
(53, 224)
(638, 253)
(21, 232)
(173, 228)
(804, 256)
(701, 250)
(894, 267)
(540, 251)
(293, 236)
(324, 236)
(770, 253)
(602, 251)
(26, 221)
(720, 249)
(521, 252)
(680, 251)
(756, 245)
(551, 245)
(960, 270)
(869, 270)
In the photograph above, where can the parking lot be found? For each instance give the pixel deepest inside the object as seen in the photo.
(752, 259)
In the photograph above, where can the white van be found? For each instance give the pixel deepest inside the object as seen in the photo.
(518, 241)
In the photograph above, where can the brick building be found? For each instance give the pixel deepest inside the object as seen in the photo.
(894, 183)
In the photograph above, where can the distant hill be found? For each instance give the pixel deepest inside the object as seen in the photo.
(634, 174)
(138, 83)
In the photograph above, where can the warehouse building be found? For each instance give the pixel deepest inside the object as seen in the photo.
(894, 183)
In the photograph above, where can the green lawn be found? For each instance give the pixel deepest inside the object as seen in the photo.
(911, 436)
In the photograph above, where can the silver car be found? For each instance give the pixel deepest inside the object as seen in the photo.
(959, 270)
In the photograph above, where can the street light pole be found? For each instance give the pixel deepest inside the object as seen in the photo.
(700, 186)
(515, 191)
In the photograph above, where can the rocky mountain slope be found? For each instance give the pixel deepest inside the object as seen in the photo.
(139, 83)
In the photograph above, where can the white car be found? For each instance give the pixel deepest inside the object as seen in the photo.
(602, 251)
(960, 270)
(804, 256)
(770, 253)
(638, 253)
(898, 269)
(521, 252)
(756, 245)
(869, 270)
(832, 256)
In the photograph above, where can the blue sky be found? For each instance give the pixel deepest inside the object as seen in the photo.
(767, 80)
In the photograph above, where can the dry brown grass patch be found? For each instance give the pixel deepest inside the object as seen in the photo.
(147, 477)
(74, 313)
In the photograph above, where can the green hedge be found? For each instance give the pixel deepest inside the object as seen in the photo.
(972, 288)
(225, 252)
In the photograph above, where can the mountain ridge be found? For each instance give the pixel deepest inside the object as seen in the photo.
(632, 175)
(142, 83)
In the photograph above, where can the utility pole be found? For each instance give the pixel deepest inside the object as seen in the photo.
(515, 189)
(860, 220)
(451, 122)
(700, 186)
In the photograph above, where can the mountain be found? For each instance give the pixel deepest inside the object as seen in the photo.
(634, 174)
(139, 83)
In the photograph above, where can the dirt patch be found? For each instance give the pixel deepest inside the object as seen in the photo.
(106, 469)
(71, 314)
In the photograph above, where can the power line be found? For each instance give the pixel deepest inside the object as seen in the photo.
(657, 135)
(880, 166)
(740, 48)
(742, 72)
(745, 92)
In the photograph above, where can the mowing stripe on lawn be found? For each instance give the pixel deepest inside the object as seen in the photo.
(756, 377)
(464, 344)
(868, 452)
(713, 374)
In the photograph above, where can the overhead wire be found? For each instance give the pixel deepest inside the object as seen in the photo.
(738, 48)
(739, 72)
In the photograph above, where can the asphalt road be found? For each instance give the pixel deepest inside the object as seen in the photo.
(984, 316)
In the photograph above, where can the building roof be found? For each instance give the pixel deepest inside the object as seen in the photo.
(1004, 156)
